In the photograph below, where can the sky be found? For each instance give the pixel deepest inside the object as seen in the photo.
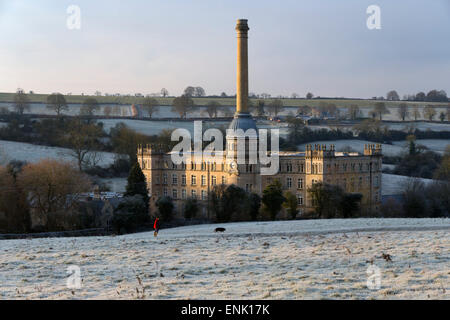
(295, 46)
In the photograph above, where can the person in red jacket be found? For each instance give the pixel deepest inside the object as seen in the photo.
(156, 226)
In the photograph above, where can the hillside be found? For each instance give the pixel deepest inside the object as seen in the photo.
(339, 102)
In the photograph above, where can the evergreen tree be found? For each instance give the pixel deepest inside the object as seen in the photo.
(190, 208)
(273, 198)
(291, 204)
(137, 184)
(165, 208)
(254, 205)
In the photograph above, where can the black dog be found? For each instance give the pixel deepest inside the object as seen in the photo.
(219, 230)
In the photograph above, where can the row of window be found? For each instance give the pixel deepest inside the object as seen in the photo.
(193, 194)
(352, 184)
(316, 168)
(145, 164)
(193, 180)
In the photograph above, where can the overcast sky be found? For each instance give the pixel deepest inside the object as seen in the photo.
(322, 46)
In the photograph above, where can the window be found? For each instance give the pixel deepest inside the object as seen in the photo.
(248, 187)
(174, 194)
(183, 180)
(203, 165)
(174, 166)
(165, 178)
(174, 179)
(224, 180)
(183, 194)
(299, 199)
(213, 166)
(194, 194)
(203, 180)
(360, 182)
(193, 180)
(289, 183)
(213, 180)
(289, 167)
(300, 183)
(157, 179)
(165, 192)
(302, 168)
(204, 195)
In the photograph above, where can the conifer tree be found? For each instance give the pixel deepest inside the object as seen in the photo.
(137, 183)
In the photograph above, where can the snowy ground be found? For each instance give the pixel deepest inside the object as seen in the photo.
(265, 260)
(436, 145)
(395, 184)
(10, 150)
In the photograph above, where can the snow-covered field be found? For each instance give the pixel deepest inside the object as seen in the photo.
(73, 109)
(10, 150)
(436, 145)
(316, 259)
(155, 127)
(395, 184)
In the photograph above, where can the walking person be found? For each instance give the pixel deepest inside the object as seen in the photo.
(156, 226)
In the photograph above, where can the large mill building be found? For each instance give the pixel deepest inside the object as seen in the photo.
(354, 172)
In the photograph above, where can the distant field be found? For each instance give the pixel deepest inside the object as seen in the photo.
(42, 98)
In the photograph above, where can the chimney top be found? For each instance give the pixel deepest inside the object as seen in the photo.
(242, 25)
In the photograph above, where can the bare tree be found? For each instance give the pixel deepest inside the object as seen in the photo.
(89, 107)
(164, 92)
(199, 92)
(392, 95)
(150, 105)
(107, 110)
(21, 102)
(182, 105)
(380, 109)
(260, 107)
(429, 112)
(403, 111)
(83, 141)
(52, 187)
(275, 107)
(416, 113)
(212, 109)
(354, 111)
(56, 102)
(189, 91)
